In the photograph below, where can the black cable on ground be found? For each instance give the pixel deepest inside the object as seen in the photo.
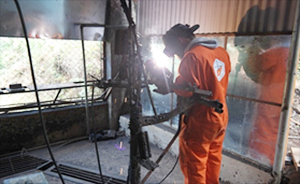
(95, 137)
(164, 153)
(178, 131)
(36, 91)
(170, 171)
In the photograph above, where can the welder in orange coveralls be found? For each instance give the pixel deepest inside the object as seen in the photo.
(203, 130)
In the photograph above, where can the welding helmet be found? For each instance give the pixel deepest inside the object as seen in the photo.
(171, 38)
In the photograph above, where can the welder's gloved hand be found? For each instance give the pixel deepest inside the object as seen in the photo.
(161, 77)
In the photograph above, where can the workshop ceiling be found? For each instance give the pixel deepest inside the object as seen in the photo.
(155, 17)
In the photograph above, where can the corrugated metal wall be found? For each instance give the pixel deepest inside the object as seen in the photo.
(216, 16)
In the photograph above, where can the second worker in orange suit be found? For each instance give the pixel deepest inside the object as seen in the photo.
(207, 66)
(264, 60)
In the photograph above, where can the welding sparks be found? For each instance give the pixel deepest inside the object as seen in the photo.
(158, 56)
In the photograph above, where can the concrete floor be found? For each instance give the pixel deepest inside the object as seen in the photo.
(114, 161)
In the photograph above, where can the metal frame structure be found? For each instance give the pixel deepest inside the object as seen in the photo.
(82, 26)
(288, 100)
(135, 83)
(104, 96)
(139, 148)
(136, 80)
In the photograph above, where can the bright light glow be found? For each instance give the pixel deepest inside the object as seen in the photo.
(159, 57)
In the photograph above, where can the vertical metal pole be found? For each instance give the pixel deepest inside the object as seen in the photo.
(149, 92)
(225, 42)
(172, 95)
(104, 59)
(95, 136)
(130, 6)
(135, 111)
(135, 125)
(85, 83)
(287, 102)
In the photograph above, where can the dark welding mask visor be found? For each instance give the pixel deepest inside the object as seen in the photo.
(169, 52)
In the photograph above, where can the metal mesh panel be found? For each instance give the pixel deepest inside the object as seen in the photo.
(54, 61)
(18, 164)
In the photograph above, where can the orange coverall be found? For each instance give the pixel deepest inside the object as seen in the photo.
(203, 132)
(272, 66)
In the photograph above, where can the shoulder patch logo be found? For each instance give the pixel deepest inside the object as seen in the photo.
(219, 68)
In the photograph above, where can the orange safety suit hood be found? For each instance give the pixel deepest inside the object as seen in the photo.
(209, 43)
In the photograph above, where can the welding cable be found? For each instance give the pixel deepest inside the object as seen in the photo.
(36, 91)
(95, 137)
(170, 171)
(177, 132)
(165, 151)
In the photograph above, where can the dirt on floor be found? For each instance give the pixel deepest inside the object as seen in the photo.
(294, 130)
(291, 176)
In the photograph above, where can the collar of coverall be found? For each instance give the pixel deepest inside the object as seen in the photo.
(209, 43)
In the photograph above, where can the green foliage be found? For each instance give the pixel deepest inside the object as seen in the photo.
(54, 62)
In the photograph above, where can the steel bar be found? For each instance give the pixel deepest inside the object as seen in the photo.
(172, 95)
(149, 92)
(95, 137)
(234, 34)
(135, 106)
(85, 82)
(47, 87)
(99, 25)
(56, 96)
(254, 100)
(28, 106)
